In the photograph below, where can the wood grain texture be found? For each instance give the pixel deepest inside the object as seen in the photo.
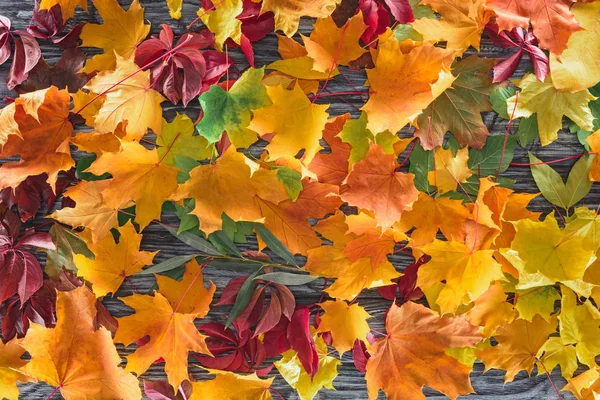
(350, 383)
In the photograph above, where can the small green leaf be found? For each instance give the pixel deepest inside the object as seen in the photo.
(528, 130)
(275, 244)
(187, 221)
(167, 265)
(185, 164)
(221, 240)
(237, 264)
(578, 184)
(242, 299)
(287, 278)
(550, 183)
(498, 99)
(83, 164)
(356, 134)
(407, 32)
(128, 214)
(486, 161)
(421, 162)
(67, 243)
(291, 180)
(194, 241)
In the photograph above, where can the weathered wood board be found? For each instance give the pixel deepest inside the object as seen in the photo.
(350, 383)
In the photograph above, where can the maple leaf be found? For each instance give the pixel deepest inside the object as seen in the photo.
(491, 310)
(113, 262)
(290, 367)
(230, 386)
(519, 344)
(586, 225)
(458, 109)
(578, 68)
(230, 186)
(412, 354)
(172, 335)
(133, 101)
(332, 167)
(89, 210)
(288, 13)
(330, 46)
(231, 110)
(67, 6)
(375, 185)
(594, 142)
(557, 353)
(296, 122)
(188, 294)
(467, 273)
(137, 175)
(432, 214)
(460, 26)
(346, 323)
(221, 20)
(550, 104)
(11, 369)
(74, 356)
(119, 35)
(177, 140)
(420, 75)
(552, 21)
(449, 170)
(43, 139)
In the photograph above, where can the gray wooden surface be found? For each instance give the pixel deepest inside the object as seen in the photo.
(350, 384)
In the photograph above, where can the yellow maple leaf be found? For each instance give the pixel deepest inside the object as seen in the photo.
(133, 101)
(296, 122)
(290, 367)
(461, 23)
(139, 175)
(449, 170)
(11, 369)
(188, 295)
(177, 139)
(578, 66)
(175, 8)
(89, 210)
(221, 20)
(120, 34)
(113, 262)
(288, 12)
(558, 353)
(330, 46)
(412, 354)
(172, 335)
(585, 386)
(67, 7)
(420, 75)
(550, 104)
(491, 310)
(74, 355)
(346, 322)
(519, 344)
(230, 186)
(230, 386)
(594, 142)
(585, 224)
(467, 273)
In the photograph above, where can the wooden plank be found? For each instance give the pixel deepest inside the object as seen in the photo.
(349, 383)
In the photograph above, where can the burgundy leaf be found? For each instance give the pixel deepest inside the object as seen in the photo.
(360, 355)
(377, 19)
(231, 290)
(26, 56)
(251, 314)
(35, 239)
(162, 390)
(246, 47)
(104, 318)
(288, 302)
(506, 68)
(275, 340)
(32, 277)
(301, 340)
(401, 10)
(271, 316)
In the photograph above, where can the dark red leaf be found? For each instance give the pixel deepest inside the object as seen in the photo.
(377, 19)
(251, 314)
(271, 316)
(360, 355)
(104, 318)
(276, 341)
(231, 290)
(26, 55)
(401, 10)
(301, 340)
(288, 302)
(162, 390)
(246, 47)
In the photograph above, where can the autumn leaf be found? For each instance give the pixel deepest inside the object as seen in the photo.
(113, 262)
(519, 344)
(230, 186)
(578, 68)
(421, 75)
(133, 102)
(491, 310)
(458, 109)
(74, 355)
(287, 14)
(188, 294)
(550, 104)
(43, 147)
(296, 122)
(119, 35)
(67, 6)
(460, 26)
(449, 170)
(221, 20)
(290, 367)
(346, 323)
(11, 370)
(177, 140)
(332, 167)
(231, 110)
(375, 185)
(172, 335)
(137, 175)
(230, 386)
(412, 354)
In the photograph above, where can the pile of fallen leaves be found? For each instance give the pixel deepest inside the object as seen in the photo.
(330, 199)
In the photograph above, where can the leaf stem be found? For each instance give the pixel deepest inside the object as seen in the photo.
(335, 56)
(552, 161)
(549, 378)
(53, 393)
(192, 283)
